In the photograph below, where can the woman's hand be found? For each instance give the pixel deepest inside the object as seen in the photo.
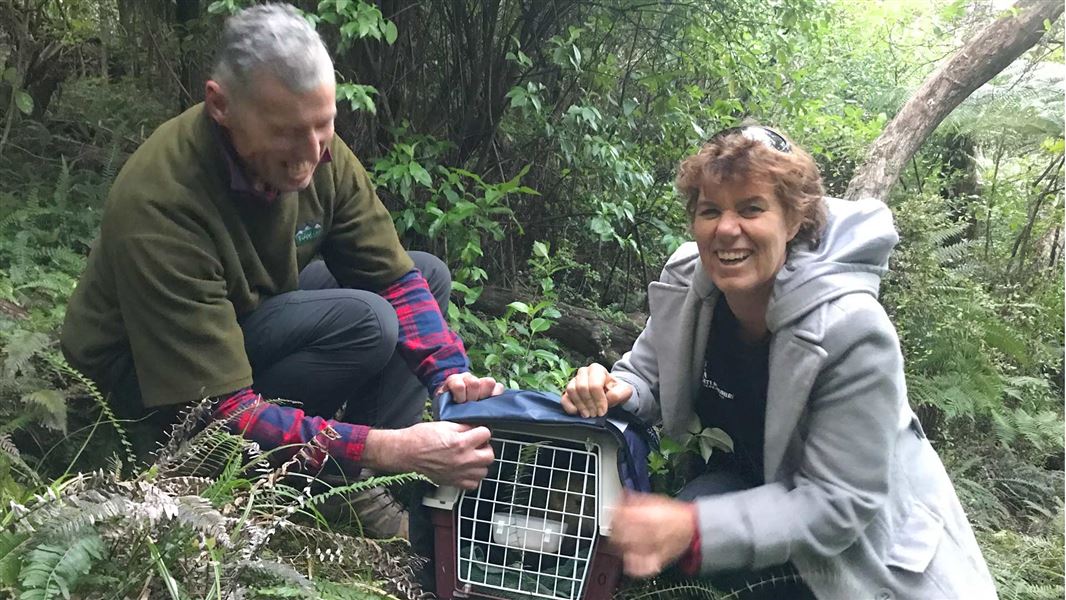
(593, 390)
(467, 386)
(651, 532)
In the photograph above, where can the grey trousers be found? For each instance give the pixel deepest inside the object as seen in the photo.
(331, 347)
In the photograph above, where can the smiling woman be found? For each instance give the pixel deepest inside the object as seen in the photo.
(749, 194)
(767, 328)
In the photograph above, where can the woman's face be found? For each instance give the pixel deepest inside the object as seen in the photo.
(742, 230)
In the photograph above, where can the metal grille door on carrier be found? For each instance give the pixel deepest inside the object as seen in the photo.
(535, 526)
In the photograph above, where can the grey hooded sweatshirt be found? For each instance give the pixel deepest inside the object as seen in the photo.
(855, 497)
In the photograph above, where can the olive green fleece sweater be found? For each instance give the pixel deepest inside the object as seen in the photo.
(180, 258)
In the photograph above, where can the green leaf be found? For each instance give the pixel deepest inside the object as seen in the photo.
(712, 439)
(602, 227)
(575, 57)
(24, 102)
(538, 325)
(670, 446)
(521, 307)
(540, 249)
(420, 174)
(390, 32)
(11, 76)
(519, 97)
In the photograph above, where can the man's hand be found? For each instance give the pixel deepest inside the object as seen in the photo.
(448, 453)
(651, 532)
(593, 390)
(466, 386)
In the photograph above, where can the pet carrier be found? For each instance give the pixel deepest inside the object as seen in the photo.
(536, 526)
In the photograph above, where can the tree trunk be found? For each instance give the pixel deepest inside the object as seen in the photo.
(980, 59)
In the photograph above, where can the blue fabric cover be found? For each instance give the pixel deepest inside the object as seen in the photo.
(513, 405)
(522, 406)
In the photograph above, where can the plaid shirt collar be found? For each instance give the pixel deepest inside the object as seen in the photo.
(239, 181)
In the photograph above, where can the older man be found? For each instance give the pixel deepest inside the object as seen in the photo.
(204, 281)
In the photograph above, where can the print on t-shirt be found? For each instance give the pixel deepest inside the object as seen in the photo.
(712, 385)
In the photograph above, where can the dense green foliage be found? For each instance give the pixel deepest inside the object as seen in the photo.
(531, 145)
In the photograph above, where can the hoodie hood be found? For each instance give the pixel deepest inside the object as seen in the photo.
(852, 257)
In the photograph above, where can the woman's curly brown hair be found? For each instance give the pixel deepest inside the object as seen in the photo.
(734, 157)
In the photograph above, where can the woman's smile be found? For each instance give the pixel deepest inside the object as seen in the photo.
(742, 231)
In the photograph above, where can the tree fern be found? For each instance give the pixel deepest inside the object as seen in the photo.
(51, 570)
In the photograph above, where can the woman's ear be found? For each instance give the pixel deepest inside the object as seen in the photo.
(794, 225)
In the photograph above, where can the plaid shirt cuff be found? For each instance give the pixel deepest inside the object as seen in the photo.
(427, 345)
(288, 432)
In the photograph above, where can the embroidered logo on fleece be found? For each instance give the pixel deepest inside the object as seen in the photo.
(308, 233)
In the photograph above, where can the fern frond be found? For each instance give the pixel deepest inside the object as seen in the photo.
(8, 449)
(205, 455)
(185, 486)
(50, 570)
(278, 572)
(111, 166)
(390, 561)
(62, 366)
(22, 345)
(12, 548)
(189, 422)
(953, 253)
(366, 484)
(947, 232)
(197, 513)
(61, 193)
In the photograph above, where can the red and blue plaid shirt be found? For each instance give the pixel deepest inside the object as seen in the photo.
(427, 345)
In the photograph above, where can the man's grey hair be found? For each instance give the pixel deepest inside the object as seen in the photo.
(273, 39)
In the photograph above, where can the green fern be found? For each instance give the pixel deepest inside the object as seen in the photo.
(11, 553)
(22, 346)
(946, 232)
(366, 484)
(61, 366)
(51, 570)
(953, 253)
(11, 453)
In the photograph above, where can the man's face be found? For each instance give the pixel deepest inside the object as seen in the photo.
(279, 135)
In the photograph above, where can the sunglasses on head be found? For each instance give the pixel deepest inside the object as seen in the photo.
(757, 133)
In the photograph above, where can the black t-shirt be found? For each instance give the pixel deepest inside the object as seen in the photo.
(733, 395)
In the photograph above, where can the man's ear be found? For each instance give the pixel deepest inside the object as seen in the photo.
(216, 103)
